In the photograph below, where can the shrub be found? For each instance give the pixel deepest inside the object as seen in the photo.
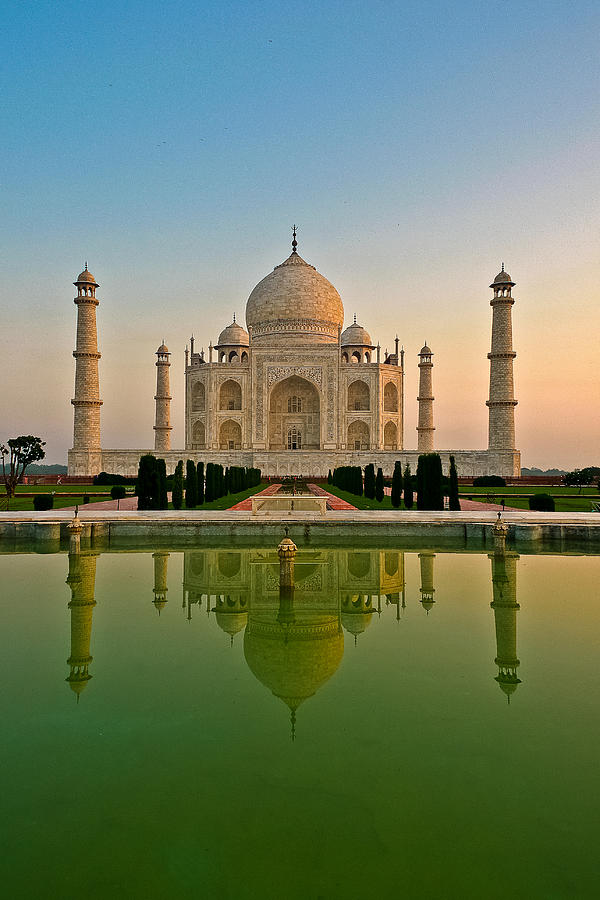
(106, 478)
(379, 492)
(43, 501)
(489, 481)
(118, 492)
(86, 498)
(397, 485)
(542, 502)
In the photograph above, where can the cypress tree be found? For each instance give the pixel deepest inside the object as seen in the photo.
(408, 488)
(209, 490)
(370, 481)
(146, 482)
(227, 482)
(199, 483)
(379, 492)
(397, 485)
(219, 481)
(436, 497)
(191, 492)
(329, 477)
(454, 502)
(177, 495)
(162, 496)
(421, 480)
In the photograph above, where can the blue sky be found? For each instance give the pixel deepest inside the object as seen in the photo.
(416, 145)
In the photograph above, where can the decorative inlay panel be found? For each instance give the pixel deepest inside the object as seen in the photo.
(278, 373)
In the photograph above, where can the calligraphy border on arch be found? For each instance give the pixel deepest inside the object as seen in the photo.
(278, 373)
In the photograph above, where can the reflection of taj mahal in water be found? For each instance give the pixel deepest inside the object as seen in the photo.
(294, 392)
(293, 621)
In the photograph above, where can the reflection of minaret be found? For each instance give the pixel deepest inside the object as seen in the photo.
(505, 606)
(161, 563)
(81, 580)
(426, 558)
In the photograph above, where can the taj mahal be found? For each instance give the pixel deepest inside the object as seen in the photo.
(294, 393)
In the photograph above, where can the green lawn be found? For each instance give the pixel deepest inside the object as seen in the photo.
(562, 504)
(553, 489)
(26, 503)
(227, 501)
(358, 502)
(60, 488)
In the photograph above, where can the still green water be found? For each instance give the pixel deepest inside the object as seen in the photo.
(354, 740)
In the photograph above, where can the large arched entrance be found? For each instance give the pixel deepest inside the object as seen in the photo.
(294, 415)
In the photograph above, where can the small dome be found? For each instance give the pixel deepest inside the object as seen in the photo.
(234, 335)
(86, 278)
(357, 336)
(425, 351)
(163, 349)
(502, 278)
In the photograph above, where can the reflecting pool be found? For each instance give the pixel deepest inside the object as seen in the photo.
(232, 723)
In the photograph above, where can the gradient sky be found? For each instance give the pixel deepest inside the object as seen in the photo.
(417, 146)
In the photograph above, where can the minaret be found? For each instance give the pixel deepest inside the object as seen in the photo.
(87, 402)
(162, 428)
(502, 402)
(427, 590)
(81, 580)
(425, 427)
(161, 562)
(505, 606)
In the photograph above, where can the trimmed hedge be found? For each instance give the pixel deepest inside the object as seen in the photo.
(542, 502)
(489, 481)
(43, 501)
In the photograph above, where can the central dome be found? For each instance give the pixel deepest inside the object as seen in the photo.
(294, 304)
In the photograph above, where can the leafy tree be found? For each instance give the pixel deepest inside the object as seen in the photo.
(453, 501)
(200, 483)
(370, 481)
(21, 451)
(397, 485)
(379, 492)
(177, 493)
(408, 488)
(118, 493)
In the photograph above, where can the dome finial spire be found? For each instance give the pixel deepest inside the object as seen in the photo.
(294, 241)
(503, 267)
(234, 318)
(86, 268)
(355, 318)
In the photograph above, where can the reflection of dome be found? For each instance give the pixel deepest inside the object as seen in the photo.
(233, 336)
(293, 661)
(86, 277)
(231, 622)
(295, 302)
(78, 682)
(507, 683)
(356, 614)
(356, 336)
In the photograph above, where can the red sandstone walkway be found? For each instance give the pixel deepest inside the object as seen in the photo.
(333, 502)
(246, 505)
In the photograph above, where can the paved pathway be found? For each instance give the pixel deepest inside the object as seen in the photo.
(246, 505)
(333, 502)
